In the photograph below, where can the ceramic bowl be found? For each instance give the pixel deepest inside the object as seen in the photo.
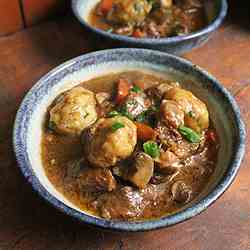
(215, 10)
(224, 113)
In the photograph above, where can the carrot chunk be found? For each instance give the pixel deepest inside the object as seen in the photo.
(144, 132)
(123, 88)
(106, 6)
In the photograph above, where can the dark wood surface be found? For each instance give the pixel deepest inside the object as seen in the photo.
(27, 222)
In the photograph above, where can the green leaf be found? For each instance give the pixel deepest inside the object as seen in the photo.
(110, 30)
(113, 114)
(189, 134)
(136, 89)
(124, 112)
(154, 109)
(191, 114)
(151, 148)
(52, 125)
(151, 1)
(142, 117)
(117, 126)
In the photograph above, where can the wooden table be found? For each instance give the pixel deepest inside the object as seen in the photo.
(27, 222)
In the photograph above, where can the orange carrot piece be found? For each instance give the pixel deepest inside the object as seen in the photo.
(138, 34)
(106, 6)
(123, 88)
(140, 84)
(144, 132)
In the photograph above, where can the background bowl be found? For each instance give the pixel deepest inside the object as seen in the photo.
(216, 11)
(224, 113)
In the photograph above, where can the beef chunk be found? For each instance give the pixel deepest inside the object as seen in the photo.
(168, 163)
(172, 140)
(96, 180)
(126, 202)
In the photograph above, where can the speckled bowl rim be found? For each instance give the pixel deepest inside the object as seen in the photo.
(153, 41)
(22, 156)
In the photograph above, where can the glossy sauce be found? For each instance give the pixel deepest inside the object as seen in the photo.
(59, 150)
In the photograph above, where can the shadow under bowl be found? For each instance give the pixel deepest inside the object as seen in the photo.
(223, 109)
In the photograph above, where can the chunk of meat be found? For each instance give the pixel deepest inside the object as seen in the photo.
(126, 202)
(141, 171)
(172, 140)
(196, 113)
(105, 144)
(74, 111)
(96, 180)
(184, 149)
(157, 92)
(129, 11)
(172, 113)
(135, 104)
(104, 103)
(181, 192)
(168, 162)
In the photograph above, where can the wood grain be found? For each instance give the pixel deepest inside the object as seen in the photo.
(27, 222)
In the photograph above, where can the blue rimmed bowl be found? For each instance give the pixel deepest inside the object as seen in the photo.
(223, 109)
(215, 11)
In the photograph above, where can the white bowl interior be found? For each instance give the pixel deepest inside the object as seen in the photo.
(218, 116)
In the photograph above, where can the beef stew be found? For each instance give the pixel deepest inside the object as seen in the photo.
(149, 18)
(129, 146)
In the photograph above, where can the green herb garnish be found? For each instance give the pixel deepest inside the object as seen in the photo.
(191, 114)
(189, 134)
(86, 115)
(110, 30)
(151, 148)
(142, 117)
(151, 2)
(124, 112)
(117, 126)
(148, 116)
(113, 114)
(52, 125)
(136, 89)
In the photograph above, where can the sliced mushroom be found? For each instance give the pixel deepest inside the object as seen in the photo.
(141, 171)
(121, 170)
(181, 192)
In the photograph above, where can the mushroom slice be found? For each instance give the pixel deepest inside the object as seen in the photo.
(181, 192)
(142, 170)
